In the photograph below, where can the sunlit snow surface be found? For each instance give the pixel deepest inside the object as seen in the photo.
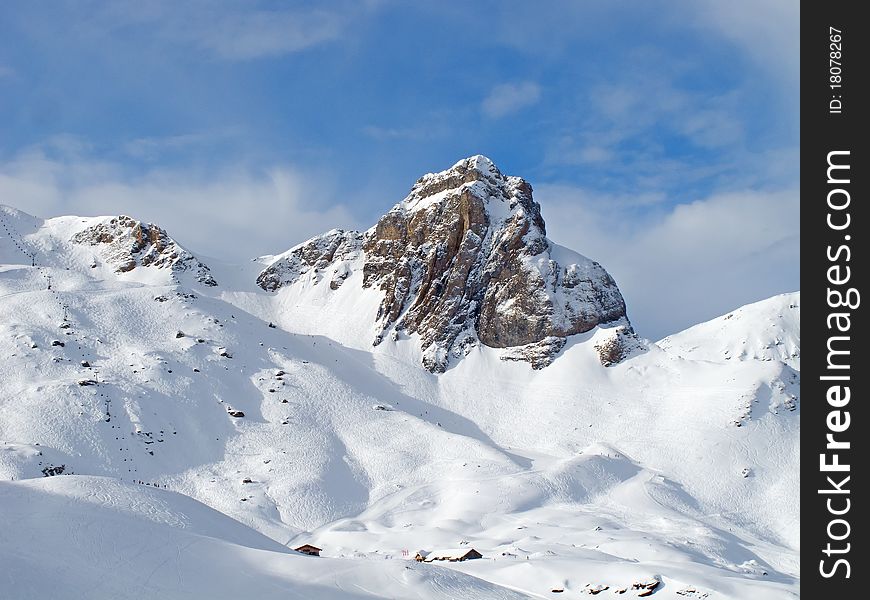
(679, 465)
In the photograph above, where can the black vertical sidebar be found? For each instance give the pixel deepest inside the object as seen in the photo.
(835, 426)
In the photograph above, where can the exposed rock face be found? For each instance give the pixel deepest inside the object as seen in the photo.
(126, 243)
(617, 344)
(538, 354)
(314, 258)
(465, 258)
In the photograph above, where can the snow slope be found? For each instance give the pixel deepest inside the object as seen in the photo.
(92, 537)
(679, 465)
(768, 330)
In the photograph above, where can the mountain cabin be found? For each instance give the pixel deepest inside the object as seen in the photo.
(308, 549)
(454, 555)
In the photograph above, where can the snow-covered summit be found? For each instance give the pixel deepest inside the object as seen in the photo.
(475, 171)
(462, 260)
(95, 247)
(126, 244)
(768, 330)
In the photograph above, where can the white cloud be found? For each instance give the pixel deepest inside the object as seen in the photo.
(686, 264)
(509, 98)
(232, 214)
(767, 31)
(230, 30)
(254, 34)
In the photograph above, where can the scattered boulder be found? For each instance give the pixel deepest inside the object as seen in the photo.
(58, 343)
(646, 587)
(86, 364)
(235, 413)
(87, 382)
(692, 592)
(179, 334)
(52, 470)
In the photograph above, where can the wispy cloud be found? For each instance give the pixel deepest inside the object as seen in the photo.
(233, 30)
(254, 34)
(681, 265)
(650, 130)
(508, 98)
(767, 31)
(149, 148)
(230, 213)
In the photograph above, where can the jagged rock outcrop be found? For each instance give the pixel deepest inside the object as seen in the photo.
(538, 354)
(126, 243)
(464, 258)
(616, 344)
(314, 258)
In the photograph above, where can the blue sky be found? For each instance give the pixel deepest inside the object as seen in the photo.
(661, 137)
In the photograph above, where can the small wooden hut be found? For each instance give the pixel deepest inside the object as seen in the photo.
(308, 549)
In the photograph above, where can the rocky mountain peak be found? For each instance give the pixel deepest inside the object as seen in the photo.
(125, 244)
(464, 259)
(501, 196)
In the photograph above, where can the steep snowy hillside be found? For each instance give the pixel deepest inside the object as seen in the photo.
(674, 468)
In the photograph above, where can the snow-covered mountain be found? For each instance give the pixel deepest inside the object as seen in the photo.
(256, 391)
(767, 330)
(463, 259)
